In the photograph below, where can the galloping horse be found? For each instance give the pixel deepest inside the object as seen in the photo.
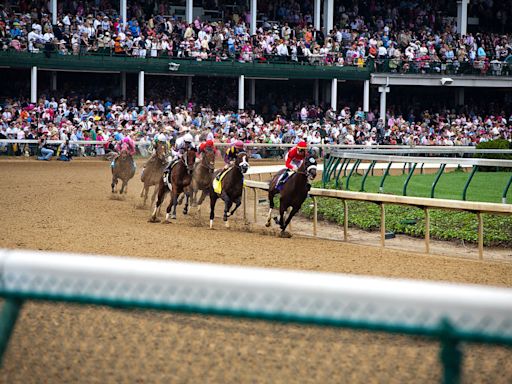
(232, 184)
(153, 171)
(124, 169)
(202, 177)
(177, 177)
(293, 193)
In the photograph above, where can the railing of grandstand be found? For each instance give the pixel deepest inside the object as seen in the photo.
(445, 313)
(448, 67)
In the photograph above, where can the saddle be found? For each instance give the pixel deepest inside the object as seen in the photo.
(285, 176)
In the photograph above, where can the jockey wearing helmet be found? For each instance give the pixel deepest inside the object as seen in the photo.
(296, 155)
(232, 152)
(205, 145)
(183, 144)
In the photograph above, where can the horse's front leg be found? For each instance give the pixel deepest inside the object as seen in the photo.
(213, 201)
(187, 198)
(271, 195)
(161, 196)
(201, 199)
(124, 187)
(288, 219)
(114, 183)
(237, 202)
(227, 206)
(173, 204)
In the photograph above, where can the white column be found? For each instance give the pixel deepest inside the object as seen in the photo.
(254, 12)
(141, 89)
(241, 91)
(189, 87)
(316, 92)
(53, 81)
(316, 15)
(462, 16)
(123, 13)
(189, 12)
(252, 91)
(123, 85)
(329, 23)
(334, 94)
(53, 6)
(366, 96)
(33, 85)
(383, 91)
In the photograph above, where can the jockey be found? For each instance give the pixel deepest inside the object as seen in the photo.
(126, 143)
(232, 153)
(183, 144)
(207, 144)
(294, 159)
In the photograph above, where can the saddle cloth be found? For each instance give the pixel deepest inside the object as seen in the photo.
(283, 179)
(217, 181)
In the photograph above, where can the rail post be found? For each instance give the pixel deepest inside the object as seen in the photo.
(354, 167)
(315, 215)
(451, 355)
(427, 230)
(505, 191)
(409, 176)
(370, 169)
(465, 191)
(10, 312)
(436, 180)
(345, 221)
(255, 206)
(385, 174)
(245, 203)
(480, 235)
(382, 225)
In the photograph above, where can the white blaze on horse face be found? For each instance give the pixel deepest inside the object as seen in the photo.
(244, 162)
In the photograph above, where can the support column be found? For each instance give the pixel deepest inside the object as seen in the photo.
(241, 90)
(141, 89)
(327, 91)
(316, 15)
(316, 92)
(383, 91)
(329, 22)
(123, 85)
(53, 6)
(462, 16)
(334, 94)
(366, 96)
(459, 96)
(53, 81)
(33, 85)
(189, 87)
(254, 12)
(252, 92)
(122, 11)
(189, 11)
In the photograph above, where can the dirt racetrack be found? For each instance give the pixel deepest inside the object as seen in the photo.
(69, 207)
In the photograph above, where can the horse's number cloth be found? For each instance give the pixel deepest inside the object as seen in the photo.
(217, 181)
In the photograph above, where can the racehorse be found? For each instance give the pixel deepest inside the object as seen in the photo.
(202, 177)
(232, 184)
(292, 194)
(176, 180)
(124, 169)
(153, 171)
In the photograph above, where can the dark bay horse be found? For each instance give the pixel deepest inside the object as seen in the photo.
(176, 180)
(203, 176)
(232, 187)
(124, 169)
(292, 194)
(153, 171)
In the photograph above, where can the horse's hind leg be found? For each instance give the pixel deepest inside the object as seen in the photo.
(153, 197)
(187, 198)
(271, 195)
(114, 183)
(124, 188)
(172, 205)
(227, 206)
(237, 202)
(201, 199)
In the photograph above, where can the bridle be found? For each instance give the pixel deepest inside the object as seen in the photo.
(207, 166)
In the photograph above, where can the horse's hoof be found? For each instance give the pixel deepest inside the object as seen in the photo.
(185, 211)
(154, 220)
(267, 224)
(167, 222)
(285, 235)
(173, 217)
(276, 220)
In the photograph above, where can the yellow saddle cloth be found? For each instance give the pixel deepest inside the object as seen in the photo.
(217, 181)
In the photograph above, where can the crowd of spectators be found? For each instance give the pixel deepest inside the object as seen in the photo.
(395, 36)
(108, 120)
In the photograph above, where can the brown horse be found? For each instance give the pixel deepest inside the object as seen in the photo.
(292, 194)
(177, 177)
(203, 176)
(232, 185)
(124, 169)
(153, 171)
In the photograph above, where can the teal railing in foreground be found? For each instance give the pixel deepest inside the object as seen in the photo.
(445, 313)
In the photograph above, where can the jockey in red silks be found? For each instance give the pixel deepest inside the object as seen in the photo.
(205, 145)
(294, 159)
